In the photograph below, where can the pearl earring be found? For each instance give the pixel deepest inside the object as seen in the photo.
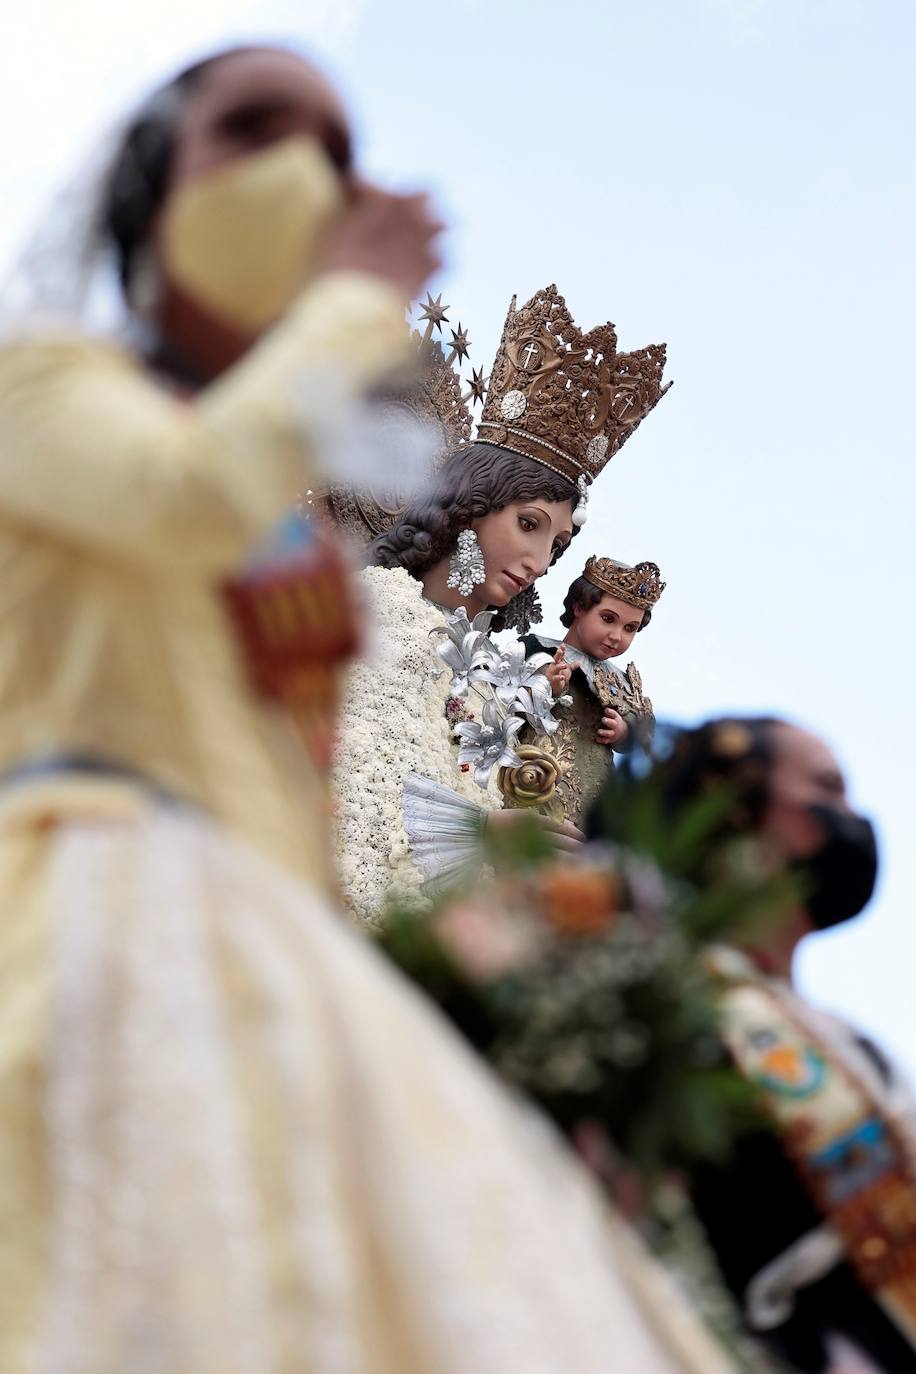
(580, 514)
(466, 568)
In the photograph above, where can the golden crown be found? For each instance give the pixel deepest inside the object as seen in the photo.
(567, 399)
(640, 586)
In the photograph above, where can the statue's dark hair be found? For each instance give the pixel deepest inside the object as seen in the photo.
(586, 595)
(470, 484)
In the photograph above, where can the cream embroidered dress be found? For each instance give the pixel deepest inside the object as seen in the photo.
(231, 1140)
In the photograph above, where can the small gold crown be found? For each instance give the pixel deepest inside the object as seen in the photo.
(640, 586)
(567, 399)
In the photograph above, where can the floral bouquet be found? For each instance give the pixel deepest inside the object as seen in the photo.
(582, 982)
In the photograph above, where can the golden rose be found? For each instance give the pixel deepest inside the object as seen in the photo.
(532, 782)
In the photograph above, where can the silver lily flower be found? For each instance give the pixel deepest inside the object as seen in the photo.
(536, 705)
(488, 743)
(467, 648)
(510, 671)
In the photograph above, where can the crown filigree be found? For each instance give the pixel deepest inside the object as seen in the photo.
(567, 399)
(434, 396)
(640, 586)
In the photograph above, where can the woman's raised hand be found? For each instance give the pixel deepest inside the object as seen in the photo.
(389, 235)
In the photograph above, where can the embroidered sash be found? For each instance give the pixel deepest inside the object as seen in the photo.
(852, 1147)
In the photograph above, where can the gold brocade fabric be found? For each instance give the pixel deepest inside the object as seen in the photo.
(572, 752)
(585, 763)
(581, 764)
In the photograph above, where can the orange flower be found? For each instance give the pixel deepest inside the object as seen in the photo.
(580, 901)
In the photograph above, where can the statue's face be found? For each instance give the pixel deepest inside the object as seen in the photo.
(605, 630)
(518, 544)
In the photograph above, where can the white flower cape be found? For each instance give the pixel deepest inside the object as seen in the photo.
(393, 727)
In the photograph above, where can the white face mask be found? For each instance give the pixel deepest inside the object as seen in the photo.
(241, 241)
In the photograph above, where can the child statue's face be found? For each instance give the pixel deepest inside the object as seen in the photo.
(607, 630)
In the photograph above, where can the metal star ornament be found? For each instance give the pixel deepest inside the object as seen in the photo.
(434, 311)
(460, 343)
(478, 385)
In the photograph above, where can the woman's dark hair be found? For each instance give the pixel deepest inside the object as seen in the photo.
(731, 756)
(586, 595)
(470, 484)
(736, 753)
(139, 176)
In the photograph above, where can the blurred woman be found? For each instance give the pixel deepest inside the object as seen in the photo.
(231, 1140)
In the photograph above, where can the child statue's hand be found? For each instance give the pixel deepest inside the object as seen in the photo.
(613, 729)
(558, 672)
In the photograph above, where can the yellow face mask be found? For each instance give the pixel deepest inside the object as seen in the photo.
(241, 240)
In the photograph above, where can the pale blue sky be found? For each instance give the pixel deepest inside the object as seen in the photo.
(733, 177)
